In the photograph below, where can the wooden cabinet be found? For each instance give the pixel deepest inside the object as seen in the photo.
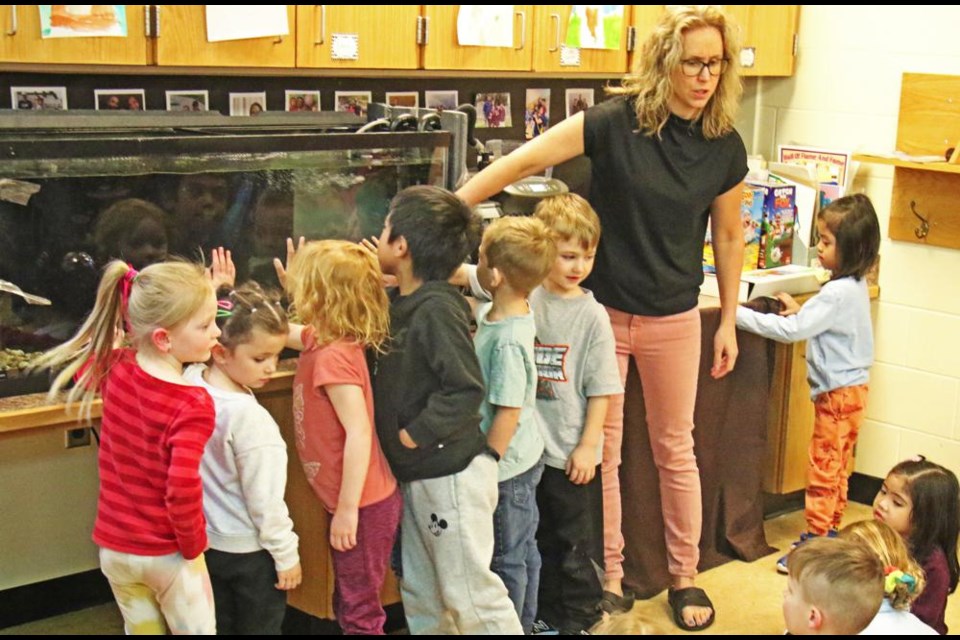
(443, 51)
(790, 421)
(182, 41)
(20, 40)
(386, 36)
(550, 30)
(642, 20)
(768, 35)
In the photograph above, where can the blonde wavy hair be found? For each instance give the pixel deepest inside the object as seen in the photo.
(889, 546)
(651, 83)
(571, 218)
(336, 287)
(162, 296)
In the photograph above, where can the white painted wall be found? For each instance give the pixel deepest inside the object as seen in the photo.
(846, 94)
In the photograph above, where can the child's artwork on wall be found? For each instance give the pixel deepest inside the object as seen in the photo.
(595, 26)
(493, 110)
(82, 20)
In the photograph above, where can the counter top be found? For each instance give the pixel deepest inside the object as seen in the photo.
(33, 411)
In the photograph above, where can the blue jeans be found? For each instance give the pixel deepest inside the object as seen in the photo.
(516, 558)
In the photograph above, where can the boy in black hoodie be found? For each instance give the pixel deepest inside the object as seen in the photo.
(427, 393)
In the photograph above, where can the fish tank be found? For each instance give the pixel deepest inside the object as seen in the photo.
(79, 189)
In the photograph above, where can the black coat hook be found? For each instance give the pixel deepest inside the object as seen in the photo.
(924, 228)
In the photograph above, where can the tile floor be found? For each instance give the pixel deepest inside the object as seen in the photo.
(748, 596)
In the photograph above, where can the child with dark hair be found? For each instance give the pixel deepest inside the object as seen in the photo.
(253, 557)
(920, 500)
(427, 392)
(836, 325)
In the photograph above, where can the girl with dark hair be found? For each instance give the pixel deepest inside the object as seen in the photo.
(836, 325)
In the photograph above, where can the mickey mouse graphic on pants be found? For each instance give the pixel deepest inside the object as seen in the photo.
(437, 525)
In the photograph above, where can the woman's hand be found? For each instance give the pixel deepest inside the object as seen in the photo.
(280, 267)
(725, 350)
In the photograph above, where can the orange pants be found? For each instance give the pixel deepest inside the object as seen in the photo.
(838, 417)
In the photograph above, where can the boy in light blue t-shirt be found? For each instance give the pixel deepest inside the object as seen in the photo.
(515, 255)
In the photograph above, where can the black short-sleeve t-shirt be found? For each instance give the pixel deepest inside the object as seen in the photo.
(653, 196)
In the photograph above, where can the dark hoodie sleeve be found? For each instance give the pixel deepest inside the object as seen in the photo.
(443, 337)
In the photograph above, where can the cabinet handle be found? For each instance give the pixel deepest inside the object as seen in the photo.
(323, 23)
(279, 40)
(556, 40)
(14, 26)
(523, 29)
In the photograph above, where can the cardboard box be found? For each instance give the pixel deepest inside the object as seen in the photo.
(792, 279)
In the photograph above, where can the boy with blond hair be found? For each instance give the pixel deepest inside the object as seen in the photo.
(577, 371)
(835, 587)
(515, 256)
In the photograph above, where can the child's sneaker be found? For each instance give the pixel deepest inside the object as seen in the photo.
(782, 562)
(543, 628)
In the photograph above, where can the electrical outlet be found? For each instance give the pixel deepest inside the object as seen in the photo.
(77, 438)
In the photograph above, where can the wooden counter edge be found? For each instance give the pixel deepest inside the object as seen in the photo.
(31, 411)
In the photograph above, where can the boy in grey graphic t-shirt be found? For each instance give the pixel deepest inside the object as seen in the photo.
(577, 372)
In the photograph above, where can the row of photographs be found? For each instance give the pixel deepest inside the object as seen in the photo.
(493, 108)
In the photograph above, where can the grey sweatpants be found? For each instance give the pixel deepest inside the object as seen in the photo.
(447, 545)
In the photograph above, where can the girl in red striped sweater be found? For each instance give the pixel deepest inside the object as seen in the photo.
(149, 526)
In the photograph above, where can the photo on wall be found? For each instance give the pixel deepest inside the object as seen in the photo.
(578, 100)
(441, 100)
(297, 100)
(536, 113)
(403, 99)
(354, 102)
(119, 99)
(493, 110)
(187, 100)
(248, 104)
(38, 98)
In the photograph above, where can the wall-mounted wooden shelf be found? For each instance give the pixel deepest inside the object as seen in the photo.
(925, 207)
(942, 167)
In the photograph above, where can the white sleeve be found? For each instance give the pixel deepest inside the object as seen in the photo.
(261, 458)
(815, 316)
(478, 291)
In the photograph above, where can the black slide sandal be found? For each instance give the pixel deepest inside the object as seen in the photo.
(689, 597)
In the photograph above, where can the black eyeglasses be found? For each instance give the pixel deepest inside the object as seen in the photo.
(693, 67)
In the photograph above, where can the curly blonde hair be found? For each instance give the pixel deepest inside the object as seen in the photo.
(651, 85)
(337, 288)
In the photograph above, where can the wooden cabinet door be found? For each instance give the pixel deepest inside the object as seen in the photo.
(386, 35)
(443, 51)
(767, 35)
(20, 40)
(551, 23)
(643, 18)
(182, 41)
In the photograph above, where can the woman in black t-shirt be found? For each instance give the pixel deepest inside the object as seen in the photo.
(665, 161)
